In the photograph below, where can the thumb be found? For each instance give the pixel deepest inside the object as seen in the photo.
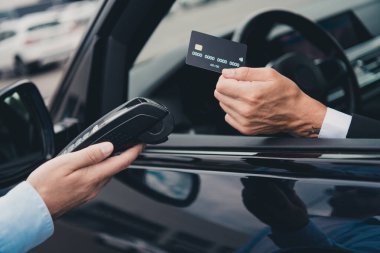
(89, 156)
(118, 163)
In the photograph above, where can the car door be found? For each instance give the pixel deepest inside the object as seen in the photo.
(266, 188)
(255, 194)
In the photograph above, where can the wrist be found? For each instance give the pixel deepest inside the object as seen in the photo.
(310, 114)
(42, 193)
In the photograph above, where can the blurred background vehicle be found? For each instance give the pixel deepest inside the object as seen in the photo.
(34, 41)
(78, 14)
(35, 35)
(190, 3)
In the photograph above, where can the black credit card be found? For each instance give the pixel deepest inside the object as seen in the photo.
(215, 54)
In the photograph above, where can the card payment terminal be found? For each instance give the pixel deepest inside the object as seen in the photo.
(140, 120)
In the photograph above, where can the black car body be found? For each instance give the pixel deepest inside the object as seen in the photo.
(245, 183)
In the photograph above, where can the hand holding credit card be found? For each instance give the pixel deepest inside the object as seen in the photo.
(215, 54)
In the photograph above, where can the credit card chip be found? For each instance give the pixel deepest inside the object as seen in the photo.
(198, 47)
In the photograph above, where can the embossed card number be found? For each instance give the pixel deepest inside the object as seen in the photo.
(213, 53)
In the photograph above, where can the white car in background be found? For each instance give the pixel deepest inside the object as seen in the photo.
(191, 3)
(78, 15)
(34, 41)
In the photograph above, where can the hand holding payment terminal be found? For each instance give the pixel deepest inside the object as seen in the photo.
(139, 120)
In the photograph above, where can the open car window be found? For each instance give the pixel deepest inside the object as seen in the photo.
(189, 92)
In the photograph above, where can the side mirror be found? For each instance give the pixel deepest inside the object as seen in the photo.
(26, 132)
(169, 187)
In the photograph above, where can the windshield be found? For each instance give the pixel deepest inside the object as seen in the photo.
(214, 17)
(6, 35)
(43, 26)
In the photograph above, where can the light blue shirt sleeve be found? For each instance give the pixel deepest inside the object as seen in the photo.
(25, 221)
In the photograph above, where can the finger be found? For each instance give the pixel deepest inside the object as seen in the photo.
(82, 158)
(231, 87)
(232, 103)
(104, 182)
(237, 125)
(250, 74)
(235, 115)
(92, 155)
(115, 164)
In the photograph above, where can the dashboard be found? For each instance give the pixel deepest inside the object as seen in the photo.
(345, 27)
(362, 47)
(188, 92)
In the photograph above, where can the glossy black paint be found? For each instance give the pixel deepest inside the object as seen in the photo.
(304, 158)
(221, 218)
(136, 179)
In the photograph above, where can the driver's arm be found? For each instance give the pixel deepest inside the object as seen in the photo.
(262, 101)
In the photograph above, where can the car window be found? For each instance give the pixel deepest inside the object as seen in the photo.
(43, 26)
(45, 45)
(6, 35)
(208, 16)
(189, 91)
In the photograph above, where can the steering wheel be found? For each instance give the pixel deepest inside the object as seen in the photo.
(302, 69)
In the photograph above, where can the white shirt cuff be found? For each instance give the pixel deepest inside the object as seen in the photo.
(25, 221)
(335, 125)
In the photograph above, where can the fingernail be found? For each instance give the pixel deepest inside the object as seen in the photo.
(228, 73)
(142, 147)
(106, 148)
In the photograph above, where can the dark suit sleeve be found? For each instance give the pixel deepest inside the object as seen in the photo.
(364, 128)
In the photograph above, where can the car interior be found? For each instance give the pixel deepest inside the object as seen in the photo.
(188, 92)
